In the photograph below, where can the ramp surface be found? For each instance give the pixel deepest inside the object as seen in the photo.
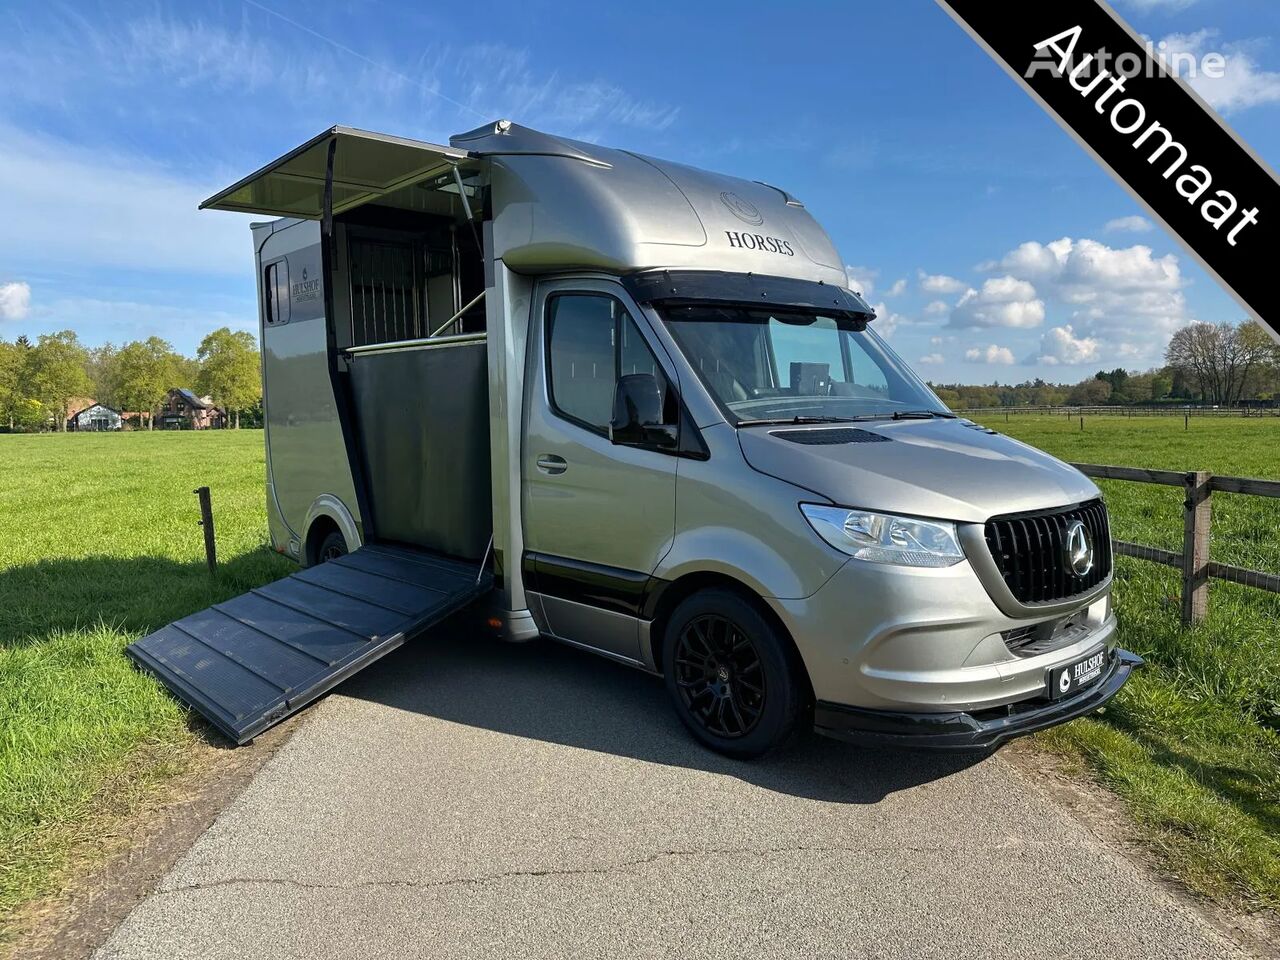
(251, 661)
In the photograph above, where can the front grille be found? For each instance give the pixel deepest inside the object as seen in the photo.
(1030, 552)
(1046, 637)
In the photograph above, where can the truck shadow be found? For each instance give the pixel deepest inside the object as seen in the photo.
(66, 620)
(549, 692)
(131, 595)
(542, 690)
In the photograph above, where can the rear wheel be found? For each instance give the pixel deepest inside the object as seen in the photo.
(334, 545)
(734, 680)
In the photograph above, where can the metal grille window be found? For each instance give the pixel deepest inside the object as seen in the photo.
(386, 299)
(1030, 551)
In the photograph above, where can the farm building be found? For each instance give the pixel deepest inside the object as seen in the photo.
(183, 410)
(98, 416)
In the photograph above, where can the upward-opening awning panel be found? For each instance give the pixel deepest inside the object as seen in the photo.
(366, 166)
(253, 660)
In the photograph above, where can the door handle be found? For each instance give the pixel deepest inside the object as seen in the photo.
(550, 463)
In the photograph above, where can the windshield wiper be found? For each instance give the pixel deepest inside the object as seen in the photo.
(921, 415)
(795, 421)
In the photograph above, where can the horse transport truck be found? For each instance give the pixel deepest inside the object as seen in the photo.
(634, 407)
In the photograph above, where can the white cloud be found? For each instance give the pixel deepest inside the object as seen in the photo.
(1240, 83)
(861, 279)
(1002, 302)
(994, 354)
(1114, 295)
(933, 359)
(498, 80)
(1129, 225)
(940, 283)
(1149, 5)
(936, 308)
(15, 300)
(173, 56)
(1090, 265)
(898, 289)
(886, 321)
(1060, 345)
(90, 207)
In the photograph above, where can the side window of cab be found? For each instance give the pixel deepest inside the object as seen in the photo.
(592, 341)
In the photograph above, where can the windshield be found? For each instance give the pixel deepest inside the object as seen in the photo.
(776, 365)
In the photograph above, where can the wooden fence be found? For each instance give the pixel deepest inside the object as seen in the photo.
(1161, 410)
(1194, 561)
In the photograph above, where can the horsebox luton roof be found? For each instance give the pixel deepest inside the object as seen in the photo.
(556, 203)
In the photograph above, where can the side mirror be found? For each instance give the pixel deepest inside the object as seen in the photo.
(637, 413)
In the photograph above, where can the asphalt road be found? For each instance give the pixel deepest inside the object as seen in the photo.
(468, 799)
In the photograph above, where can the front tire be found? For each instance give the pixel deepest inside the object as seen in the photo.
(733, 678)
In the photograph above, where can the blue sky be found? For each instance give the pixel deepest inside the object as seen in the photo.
(992, 245)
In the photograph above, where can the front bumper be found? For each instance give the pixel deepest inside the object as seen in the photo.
(971, 731)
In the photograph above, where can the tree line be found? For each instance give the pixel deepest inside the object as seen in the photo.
(40, 381)
(1220, 364)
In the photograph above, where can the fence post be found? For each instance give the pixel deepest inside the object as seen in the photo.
(206, 521)
(1197, 520)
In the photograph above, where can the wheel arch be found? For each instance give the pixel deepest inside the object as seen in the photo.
(328, 513)
(666, 600)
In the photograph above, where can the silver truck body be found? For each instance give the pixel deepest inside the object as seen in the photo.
(395, 413)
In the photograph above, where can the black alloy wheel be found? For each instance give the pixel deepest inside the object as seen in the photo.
(720, 676)
(737, 682)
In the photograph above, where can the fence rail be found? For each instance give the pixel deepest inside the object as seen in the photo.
(1162, 410)
(1194, 561)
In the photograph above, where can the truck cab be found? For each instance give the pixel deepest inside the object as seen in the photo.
(641, 398)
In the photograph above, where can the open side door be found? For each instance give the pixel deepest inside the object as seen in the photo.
(366, 166)
(252, 661)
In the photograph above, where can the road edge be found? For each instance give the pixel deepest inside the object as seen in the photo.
(1071, 787)
(75, 921)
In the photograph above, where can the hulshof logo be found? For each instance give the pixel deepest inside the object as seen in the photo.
(755, 241)
(304, 291)
(740, 207)
(1078, 548)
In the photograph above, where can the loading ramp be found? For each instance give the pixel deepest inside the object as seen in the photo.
(252, 661)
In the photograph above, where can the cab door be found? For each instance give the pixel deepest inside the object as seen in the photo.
(598, 516)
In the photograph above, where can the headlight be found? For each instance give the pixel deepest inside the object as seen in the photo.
(885, 538)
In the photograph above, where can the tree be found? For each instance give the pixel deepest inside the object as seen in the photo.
(1161, 385)
(142, 373)
(55, 373)
(12, 374)
(950, 397)
(1220, 358)
(101, 369)
(230, 370)
(1090, 393)
(186, 371)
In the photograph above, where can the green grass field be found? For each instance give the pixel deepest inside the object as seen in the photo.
(99, 545)
(1193, 744)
